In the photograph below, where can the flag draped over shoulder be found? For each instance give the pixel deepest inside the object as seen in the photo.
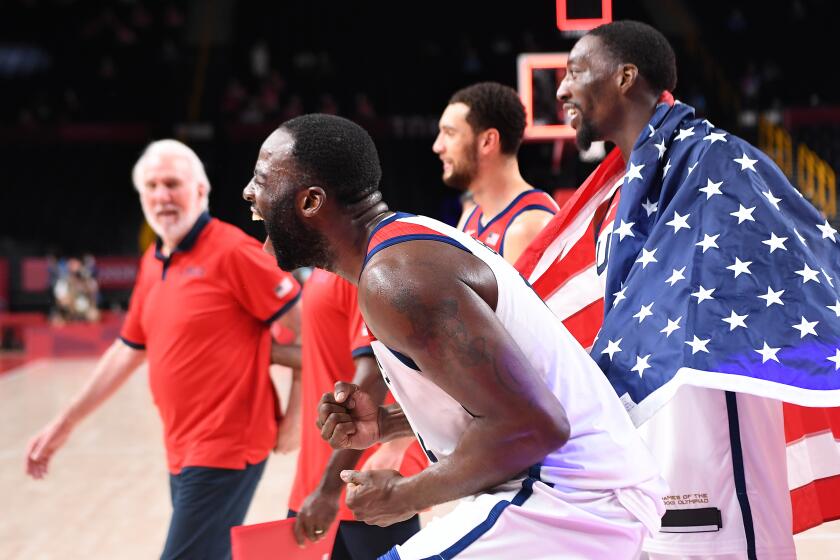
(720, 275)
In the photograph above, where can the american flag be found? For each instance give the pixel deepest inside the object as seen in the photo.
(720, 275)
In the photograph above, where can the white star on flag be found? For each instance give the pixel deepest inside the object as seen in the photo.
(711, 188)
(667, 167)
(671, 326)
(703, 294)
(827, 278)
(619, 295)
(808, 274)
(773, 200)
(709, 241)
(698, 345)
(624, 230)
(644, 312)
(768, 353)
(745, 162)
(772, 297)
(684, 133)
(679, 222)
(827, 231)
(743, 213)
(641, 364)
(652, 131)
(691, 168)
(660, 148)
(650, 207)
(775, 242)
(740, 267)
(806, 327)
(676, 276)
(647, 257)
(835, 358)
(612, 347)
(835, 307)
(715, 137)
(634, 173)
(801, 239)
(735, 320)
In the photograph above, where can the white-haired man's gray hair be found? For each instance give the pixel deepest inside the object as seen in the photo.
(171, 146)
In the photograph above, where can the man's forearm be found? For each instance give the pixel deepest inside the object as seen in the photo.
(393, 423)
(288, 355)
(341, 459)
(484, 458)
(115, 366)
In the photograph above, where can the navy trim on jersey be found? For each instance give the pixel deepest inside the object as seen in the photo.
(501, 214)
(406, 361)
(470, 217)
(135, 345)
(390, 555)
(738, 472)
(426, 450)
(413, 237)
(393, 217)
(280, 312)
(362, 351)
(487, 524)
(552, 211)
(186, 244)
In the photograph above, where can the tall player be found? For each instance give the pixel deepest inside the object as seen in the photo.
(509, 407)
(480, 133)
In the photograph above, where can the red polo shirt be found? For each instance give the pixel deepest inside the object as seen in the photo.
(202, 316)
(333, 335)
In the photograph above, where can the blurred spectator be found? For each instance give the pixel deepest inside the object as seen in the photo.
(76, 292)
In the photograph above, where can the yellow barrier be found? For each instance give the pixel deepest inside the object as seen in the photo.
(814, 177)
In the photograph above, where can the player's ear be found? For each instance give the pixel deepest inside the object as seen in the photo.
(311, 200)
(489, 140)
(627, 76)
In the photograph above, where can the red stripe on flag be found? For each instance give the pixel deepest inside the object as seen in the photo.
(815, 503)
(584, 324)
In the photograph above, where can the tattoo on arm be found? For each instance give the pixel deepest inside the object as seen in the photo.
(438, 329)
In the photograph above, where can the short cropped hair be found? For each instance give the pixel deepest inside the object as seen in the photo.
(337, 154)
(169, 146)
(640, 44)
(493, 105)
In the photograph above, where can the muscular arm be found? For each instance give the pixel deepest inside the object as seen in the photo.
(522, 231)
(435, 304)
(112, 370)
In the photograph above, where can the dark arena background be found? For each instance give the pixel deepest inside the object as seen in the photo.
(86, 85)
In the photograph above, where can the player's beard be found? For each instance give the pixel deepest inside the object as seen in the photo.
(295, 243)
(462, 175)
(586, 134)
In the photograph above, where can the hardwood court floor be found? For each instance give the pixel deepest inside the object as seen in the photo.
(106, 495)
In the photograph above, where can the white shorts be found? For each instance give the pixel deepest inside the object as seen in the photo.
(536, 522)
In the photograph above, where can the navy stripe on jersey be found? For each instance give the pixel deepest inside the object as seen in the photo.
(528, 208)
(282, 311)
(407, 362)
(487, 524)
(362, 351)
(470, 217)
(130, 344)
(501, 214)
(415, 237)
(738, 472)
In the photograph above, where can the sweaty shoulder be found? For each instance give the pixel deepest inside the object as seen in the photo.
(412, 271)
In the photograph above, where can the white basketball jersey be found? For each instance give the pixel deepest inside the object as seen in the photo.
(604, 450)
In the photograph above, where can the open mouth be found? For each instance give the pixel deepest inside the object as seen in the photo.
(572, 114)
(256, 216)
